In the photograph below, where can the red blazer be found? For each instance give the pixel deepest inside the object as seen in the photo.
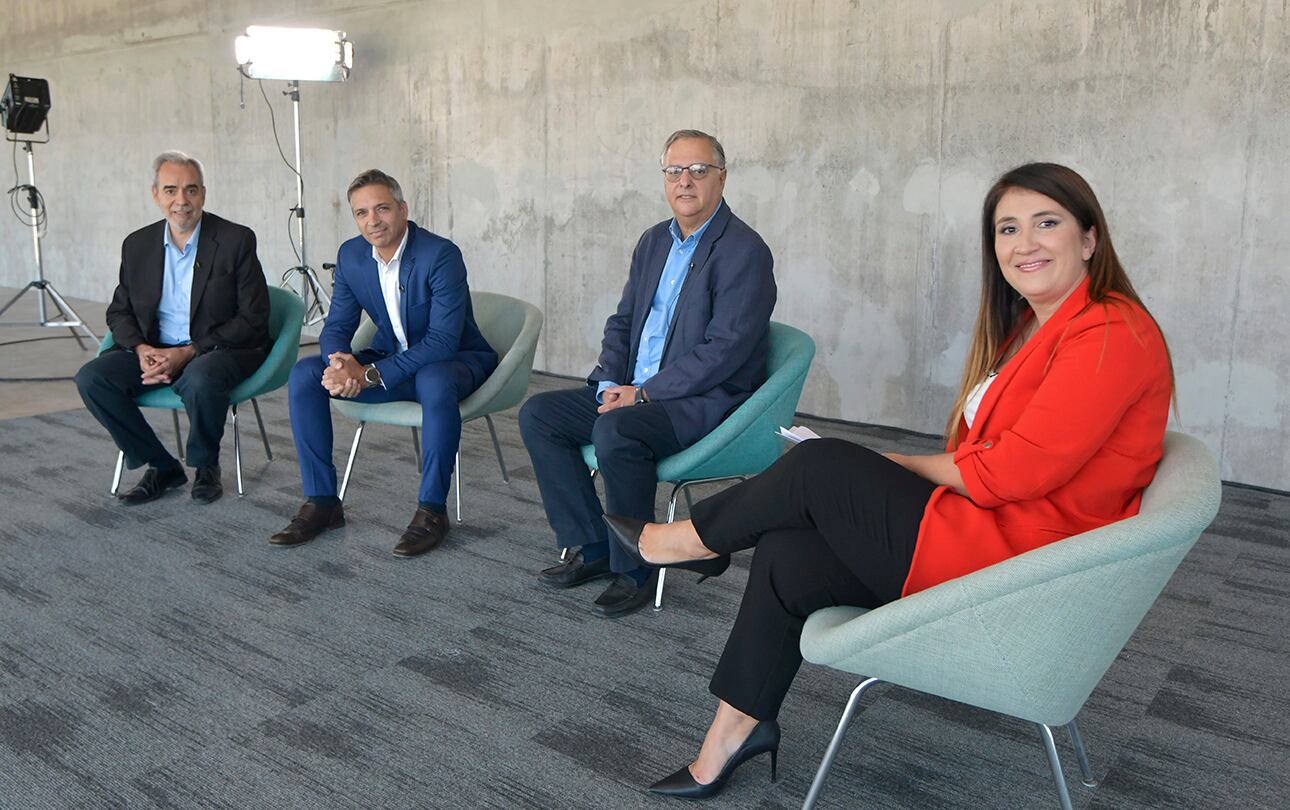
(1066, 438)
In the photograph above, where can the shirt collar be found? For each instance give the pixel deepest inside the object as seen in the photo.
(398, 254)
(675, 229)
(192, 240)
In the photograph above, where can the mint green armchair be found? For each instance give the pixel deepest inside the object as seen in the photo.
(1031, 636)
(286, 316)
(746, 442)
(511, 327)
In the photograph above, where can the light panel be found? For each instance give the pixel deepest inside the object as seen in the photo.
(295, 54)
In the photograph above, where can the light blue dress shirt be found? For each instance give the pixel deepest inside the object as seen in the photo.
(654, 334)
(177, 288)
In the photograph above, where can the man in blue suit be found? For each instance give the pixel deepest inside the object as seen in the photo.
(427, 349)
(686, 346)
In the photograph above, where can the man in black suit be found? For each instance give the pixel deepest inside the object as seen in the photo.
(687, 345)
(191, 311)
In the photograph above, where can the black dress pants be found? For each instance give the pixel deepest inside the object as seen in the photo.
(110, 385)
(833, 523)
(629, 442)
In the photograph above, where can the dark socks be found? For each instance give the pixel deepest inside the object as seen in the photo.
(324, 500)
(595, 551)
(437, 508)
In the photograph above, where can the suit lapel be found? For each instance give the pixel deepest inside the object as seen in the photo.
(407, 264)
(207, 246)
(698, 265)
(1044, 339)
(649, 282)
(153, 266)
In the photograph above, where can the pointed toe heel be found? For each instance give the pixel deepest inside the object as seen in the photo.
(627, 533)
(762, 739)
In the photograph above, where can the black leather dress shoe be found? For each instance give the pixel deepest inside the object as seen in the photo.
(764, 737)
(573, 571)
(624, 596)
(627, 533)
(312, 520)
(207, 487)
(426, 531)
(154, 484)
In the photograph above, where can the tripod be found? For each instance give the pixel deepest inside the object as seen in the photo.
(67, 316)
(312, 291)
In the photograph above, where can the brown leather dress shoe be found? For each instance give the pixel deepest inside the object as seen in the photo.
(426, 531)
(312, 520)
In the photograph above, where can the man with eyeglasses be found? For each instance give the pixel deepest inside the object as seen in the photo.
(687, 344)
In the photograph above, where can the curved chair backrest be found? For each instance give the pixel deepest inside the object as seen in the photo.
(286, 317)
(1033, 635)
(511, 327)
(745, 443)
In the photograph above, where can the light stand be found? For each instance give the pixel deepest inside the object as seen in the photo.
(67, 315)
(295, 55)
(312, 291)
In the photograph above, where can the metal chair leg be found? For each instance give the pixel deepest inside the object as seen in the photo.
(416, 447)
(662, 572)
(1086, 772)
(179, 441)
(497, 447)
(349, 465)
(564, 555)
(456, 477)
(1050, 747)
(116, 476)
(264, 437)
(836, 743)
(237, 454)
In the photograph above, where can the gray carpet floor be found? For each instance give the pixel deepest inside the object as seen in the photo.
(166, 656)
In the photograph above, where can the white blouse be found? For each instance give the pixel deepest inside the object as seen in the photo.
(975, 397)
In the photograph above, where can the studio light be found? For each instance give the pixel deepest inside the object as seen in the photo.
(25, 104)
(295, 54)
(24, 110)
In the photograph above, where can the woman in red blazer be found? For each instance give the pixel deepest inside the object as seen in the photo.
(1058, 426)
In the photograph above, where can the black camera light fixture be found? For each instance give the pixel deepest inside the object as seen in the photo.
(25, 105)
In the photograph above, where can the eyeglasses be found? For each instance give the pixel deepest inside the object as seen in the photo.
(697, 171)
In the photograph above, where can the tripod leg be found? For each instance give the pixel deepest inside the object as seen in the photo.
(14, 300)
(67, 308)
(63, 316)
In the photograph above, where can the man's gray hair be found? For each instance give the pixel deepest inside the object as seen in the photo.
(183, 159)
(682, 134)
(375, 177)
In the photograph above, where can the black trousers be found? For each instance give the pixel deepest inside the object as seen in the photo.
(629, 442)
(833, 523)
(109, 384)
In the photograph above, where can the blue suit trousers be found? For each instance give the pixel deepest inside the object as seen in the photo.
(438, 387)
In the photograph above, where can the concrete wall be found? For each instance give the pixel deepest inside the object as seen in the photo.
(861, 135)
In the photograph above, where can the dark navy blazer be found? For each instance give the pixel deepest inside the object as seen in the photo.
(718, 342)
(436, 313)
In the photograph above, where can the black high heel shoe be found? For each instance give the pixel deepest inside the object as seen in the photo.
(764, 737)
(627, 531)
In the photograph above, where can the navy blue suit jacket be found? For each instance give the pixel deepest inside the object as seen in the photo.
(719, 339)
(437, 317)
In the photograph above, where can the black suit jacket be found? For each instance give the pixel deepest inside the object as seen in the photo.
(229, 302)
(719, 340)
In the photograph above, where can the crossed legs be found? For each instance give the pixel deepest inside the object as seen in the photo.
(832, 524)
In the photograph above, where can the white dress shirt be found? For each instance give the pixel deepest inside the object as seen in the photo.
(389, 275)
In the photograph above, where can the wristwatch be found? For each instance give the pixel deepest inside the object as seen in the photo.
(371, 376)
(640, 396)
